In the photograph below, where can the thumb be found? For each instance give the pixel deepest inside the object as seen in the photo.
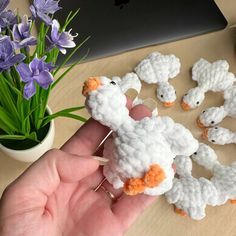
(52, 168)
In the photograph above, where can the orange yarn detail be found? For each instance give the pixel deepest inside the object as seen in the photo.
(91, 84)
(180, 212)
(154, 176)
(134, 186)
(233, 201)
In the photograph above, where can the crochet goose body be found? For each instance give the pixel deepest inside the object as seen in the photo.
(210, 77)
(219, 135)
(224, 177)
(190, 195)
(141, 152)
(214, 115)
(158, 69)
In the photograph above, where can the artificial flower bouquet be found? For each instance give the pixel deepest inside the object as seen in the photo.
(28, 71)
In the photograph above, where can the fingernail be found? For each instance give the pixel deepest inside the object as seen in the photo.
(131, 93)
(102, 161)
(150, 104)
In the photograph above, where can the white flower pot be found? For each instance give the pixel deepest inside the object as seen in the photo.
(32, 154)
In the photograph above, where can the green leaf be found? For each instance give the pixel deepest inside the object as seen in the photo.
(33, 136)
(15, 137)
(69, 19)
(68, 70)
(70, 55)
(63, 114)
(5, 118)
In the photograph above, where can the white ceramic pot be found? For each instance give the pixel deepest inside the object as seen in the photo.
(32, 154)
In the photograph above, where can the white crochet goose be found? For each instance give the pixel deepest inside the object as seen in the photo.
(219, 135)
(158, 69)
(214, 115)
(142, 152)
(210, 77)
(190, 195)
(224, 177)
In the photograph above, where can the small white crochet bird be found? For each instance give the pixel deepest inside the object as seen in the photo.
(219, 135)
(141, 152)
(190, 195)
(224, 177)
(210, 77)
(214, 115)
(158, 69)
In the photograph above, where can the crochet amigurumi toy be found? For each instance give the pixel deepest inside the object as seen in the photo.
(214, 115)
(224, 177)
(158, 69)
(141, 152)
(210, 77)
(219, 135)
(190, 195)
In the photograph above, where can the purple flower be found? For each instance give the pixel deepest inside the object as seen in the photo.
(7, 18)
(36, 72)
(7, 54)
(41, 9)
(21, 34)
(61, 40)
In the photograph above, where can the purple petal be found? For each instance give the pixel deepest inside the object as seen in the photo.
(27, 42)
(16, 33)
(25, 72)
(33, 11)
(34, 66)
(6, 48)
(44, 79)
(16, 59)
(3, 4)
(29, 90)
(44, 18)
(55, 31)
(51, 6)
(62, 50)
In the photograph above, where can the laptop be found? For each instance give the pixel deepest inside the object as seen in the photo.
(116, 26)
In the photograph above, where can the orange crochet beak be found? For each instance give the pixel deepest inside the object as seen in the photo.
(168, 104)
(185, 106)
(205, 134)
(199, 123)
(91, 84)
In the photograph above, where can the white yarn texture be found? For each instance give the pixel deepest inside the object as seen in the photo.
(210, 77)
(136, 145)
(158, 69)
(224, 176)
(221, 136)
(214, 115)
(190, 194)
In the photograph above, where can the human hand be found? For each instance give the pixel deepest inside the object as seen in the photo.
(56, 196)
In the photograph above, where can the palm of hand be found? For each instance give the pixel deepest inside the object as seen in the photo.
(56, 196)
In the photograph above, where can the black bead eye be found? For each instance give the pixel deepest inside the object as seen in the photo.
(195, 153)
(216, 127)
(113, 82)
(212, 122)
(203, 111)
(197, 102)
(185, 94)
(213, 140)
(162, 96)
(175, 92)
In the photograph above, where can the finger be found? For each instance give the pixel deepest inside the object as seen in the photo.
(128, 208)
(89, 137)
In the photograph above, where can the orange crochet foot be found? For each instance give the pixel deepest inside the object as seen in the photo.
(233, 201)
(154, 176)
(180, 212)
(134, 186)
